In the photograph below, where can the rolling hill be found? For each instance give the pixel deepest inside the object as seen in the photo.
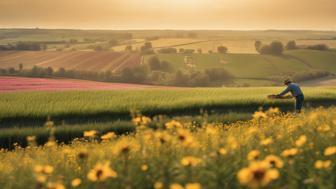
(258, 66)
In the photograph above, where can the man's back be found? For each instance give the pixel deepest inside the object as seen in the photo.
(294, 89)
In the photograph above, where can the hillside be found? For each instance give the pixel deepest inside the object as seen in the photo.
(76, 60)
(253, 66)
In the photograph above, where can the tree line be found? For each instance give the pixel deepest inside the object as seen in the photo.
(156, 72)
(277, 48)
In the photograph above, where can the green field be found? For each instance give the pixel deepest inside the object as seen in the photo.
(77, 106)
(250, 66)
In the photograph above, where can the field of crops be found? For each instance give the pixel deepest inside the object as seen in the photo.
(76, 60)
(35, 107)
(270, 151)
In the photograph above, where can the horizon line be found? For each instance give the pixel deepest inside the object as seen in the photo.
(176, 29)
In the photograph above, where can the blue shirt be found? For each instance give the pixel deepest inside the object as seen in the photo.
(292, 88)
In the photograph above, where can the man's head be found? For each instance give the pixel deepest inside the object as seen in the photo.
(287, 82)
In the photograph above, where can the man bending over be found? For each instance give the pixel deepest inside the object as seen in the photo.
(296, 92)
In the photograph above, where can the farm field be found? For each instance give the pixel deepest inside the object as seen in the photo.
(237, 46)
(258, 66)
(259, 70)
(33, 108)
(269, 151)
(16, 84)
(74, 60)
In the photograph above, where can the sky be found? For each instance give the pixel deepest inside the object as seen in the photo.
(169, 14)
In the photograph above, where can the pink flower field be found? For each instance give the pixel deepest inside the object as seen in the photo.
(8, 84)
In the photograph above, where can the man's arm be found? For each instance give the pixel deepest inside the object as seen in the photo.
(284, 92)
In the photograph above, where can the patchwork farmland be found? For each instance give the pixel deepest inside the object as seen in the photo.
(72, 60)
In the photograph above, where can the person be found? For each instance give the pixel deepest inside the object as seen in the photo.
(296, 92)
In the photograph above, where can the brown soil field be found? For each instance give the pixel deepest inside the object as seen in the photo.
(76, 60)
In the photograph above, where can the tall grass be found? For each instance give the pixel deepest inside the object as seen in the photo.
(82, 106)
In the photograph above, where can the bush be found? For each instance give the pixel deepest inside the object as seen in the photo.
(168, 51)
(291, 45)
(156, 65)
(218, 74)
(319, 47)
(147, 48)
(258, 46)
(275, 48)
(222, 49)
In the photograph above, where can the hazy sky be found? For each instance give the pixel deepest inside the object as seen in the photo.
(170, 14)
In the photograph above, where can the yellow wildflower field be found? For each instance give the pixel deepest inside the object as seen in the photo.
(273, 150)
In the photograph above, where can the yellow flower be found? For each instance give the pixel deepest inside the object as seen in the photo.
(82, 154)
(222, 151)
(125, 146)
(301, 141)
(50, 143)
(185, 137)
(90, 134)
(319, 164)
(41, 179)
(51, 185)
(273, 111)
(257, 174)
(141, 121)
(144, 167)
(158, 185)
(108, 136)
(290, 152)
(274, 161)
(323, 128)
(76, 182)
(266, 141)
(253, 155)
(330, 151)
(193, 186)
(163, 137)
(31, 138)
(190, 161)
(259, 115)
(211, 130)
(176, 186)
(173, 125)
(46, 169)
(101, 172)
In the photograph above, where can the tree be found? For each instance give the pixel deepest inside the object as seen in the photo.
(275, 48)
(154, 63)
(20, 67)
(147, 48)
(222, 49)
(319, 47)
(199, 51)
(291, 45)
(180, 78)
(258, 46)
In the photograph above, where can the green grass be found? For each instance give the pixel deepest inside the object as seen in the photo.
(85, 106)
(258, 66)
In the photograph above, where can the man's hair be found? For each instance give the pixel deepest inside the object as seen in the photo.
(287, 81)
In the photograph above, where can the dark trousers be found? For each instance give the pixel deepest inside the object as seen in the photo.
(299, 102)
